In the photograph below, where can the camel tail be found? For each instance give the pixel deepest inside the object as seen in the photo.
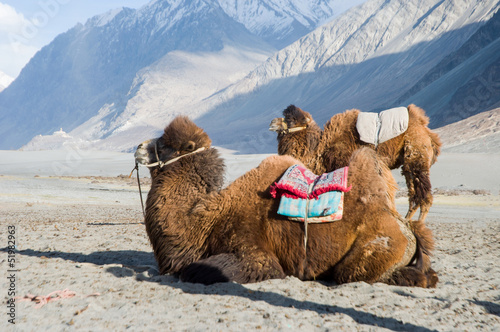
(425, 245)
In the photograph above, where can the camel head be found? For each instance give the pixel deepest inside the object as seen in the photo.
(181, 137)
(295, 119)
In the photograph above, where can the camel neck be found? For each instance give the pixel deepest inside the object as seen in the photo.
(175, 195)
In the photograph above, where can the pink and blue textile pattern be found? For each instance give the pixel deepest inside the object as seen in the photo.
(328, 218)
(324, 205)
(297, 179)
(303, 192)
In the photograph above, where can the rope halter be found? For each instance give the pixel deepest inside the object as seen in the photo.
(139, 160)
(283, 127)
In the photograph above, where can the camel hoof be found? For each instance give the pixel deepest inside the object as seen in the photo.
(432, 278)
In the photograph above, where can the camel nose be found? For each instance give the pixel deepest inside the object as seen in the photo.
(276, 124)
(142, 154)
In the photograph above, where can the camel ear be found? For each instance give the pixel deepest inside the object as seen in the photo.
(190, 146)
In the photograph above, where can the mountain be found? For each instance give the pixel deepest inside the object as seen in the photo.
(5, 80)
(479, 133)
(465, 82)
(126, 74)
(138, 68)
(282, 22)
(366, 58)
(93, 66)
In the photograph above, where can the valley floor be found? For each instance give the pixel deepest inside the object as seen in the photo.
(84, 233)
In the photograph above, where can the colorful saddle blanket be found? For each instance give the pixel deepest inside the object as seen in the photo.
(337, 215)
(303, 192)
(376, 128)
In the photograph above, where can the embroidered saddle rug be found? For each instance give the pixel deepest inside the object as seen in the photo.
(376, 128)
(302, 192)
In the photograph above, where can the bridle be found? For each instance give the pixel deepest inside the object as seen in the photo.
(160, 164)
(292, 130)
(286, 130)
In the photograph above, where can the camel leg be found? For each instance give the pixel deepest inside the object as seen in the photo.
(413, 207)
(373, 258)
(217, 268)
(415, 204)
(425, 206)
(230, 268)
(416, 170)
(411, 276)
(259, 265)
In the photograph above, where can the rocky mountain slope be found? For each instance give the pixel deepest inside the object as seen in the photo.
(282, 22)
(130, 67)
(465, 82)
(366, 59)
(479, 133)
(435, 53)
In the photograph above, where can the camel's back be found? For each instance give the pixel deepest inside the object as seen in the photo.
(341, 125)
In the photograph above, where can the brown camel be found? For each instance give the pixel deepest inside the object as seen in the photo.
(207, 234)
(324, 151)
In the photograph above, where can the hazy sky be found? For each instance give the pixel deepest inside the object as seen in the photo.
(28, 25)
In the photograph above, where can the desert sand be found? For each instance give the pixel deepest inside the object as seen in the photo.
(80, 239)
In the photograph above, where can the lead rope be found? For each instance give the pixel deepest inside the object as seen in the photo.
(309, 191)
(136, 168)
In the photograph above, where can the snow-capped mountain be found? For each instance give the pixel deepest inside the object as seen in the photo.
(137, 68)
(93, 69)
(367, 59)
(121, 77)
(281, 22)
(5, 80)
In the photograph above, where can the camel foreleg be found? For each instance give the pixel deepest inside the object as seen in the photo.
(226, 267)
(416, 170)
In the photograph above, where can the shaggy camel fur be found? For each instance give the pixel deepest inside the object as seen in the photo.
(416, 149)
(208, 235)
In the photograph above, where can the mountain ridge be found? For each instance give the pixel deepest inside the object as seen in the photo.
(5, 80)
(389, 59)
(95, 68)
(366, 58)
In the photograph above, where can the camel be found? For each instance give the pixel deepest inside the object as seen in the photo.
(416, 149)
(204, 233)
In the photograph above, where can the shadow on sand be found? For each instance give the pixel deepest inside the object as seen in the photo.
(142, 266)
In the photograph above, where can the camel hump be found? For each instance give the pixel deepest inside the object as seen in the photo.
(278, 163)
(376, 128)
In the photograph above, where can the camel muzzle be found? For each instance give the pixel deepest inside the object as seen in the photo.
(278, 124)
(142, 152)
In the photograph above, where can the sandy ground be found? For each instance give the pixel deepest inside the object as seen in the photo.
(81, 230)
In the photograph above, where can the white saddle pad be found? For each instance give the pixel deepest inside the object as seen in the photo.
(376, 128)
